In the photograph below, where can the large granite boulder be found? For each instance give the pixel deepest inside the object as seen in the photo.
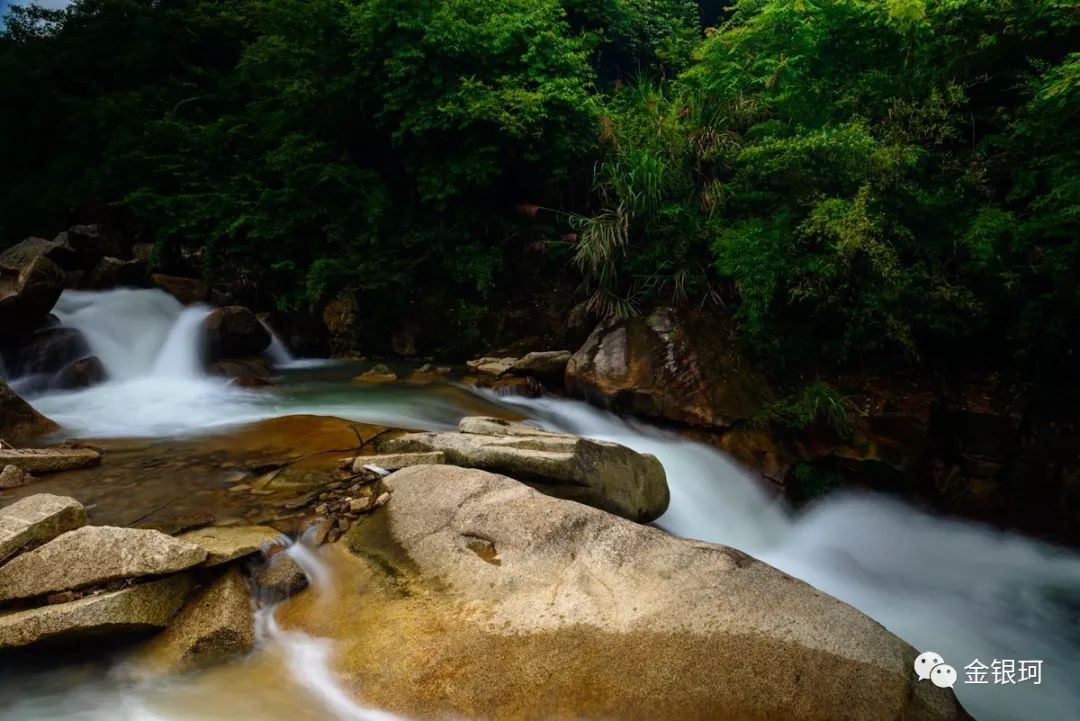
(137, 608)
(544, 364)
(474, 596)
(234, 332)
(19, 422)
(37, 520)
(27, 293)
(215, 624)
(93, 556)
(674, 365)
(598, 473)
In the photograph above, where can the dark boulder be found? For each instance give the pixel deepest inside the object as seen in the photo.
(27, 294)
(251, 371)
(94, 242)
(185, 290)
(234, 332)
(111, 272)
(674, 365)
(19, 422)
(44, 351)
(83, 373)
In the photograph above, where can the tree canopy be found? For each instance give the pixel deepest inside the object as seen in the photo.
(896, 180)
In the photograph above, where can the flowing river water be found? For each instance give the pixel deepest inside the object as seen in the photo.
(963, 590)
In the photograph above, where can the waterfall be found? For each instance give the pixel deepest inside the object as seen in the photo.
(277, 353)
(136, 333)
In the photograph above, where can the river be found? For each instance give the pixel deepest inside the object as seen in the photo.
(963, 590)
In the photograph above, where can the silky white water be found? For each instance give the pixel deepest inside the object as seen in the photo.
(962, 590)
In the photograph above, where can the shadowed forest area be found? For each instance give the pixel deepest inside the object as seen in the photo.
(858, 182)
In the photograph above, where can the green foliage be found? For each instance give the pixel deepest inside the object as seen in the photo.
(816, 404)
(809, 482)
(856, 181)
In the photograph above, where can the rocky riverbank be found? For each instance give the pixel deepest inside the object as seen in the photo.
(471, 581)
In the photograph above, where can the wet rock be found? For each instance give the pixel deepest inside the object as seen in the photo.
(12, 476)
(674, 365)
(27, 293)
(598, 473)
(113, 272)
(428, 373)
(185, 290)
(234, 332)
(381, 373)
(92, 556)
(44, 350)
(394, 461)
(19, 422)
(83, 373)
(278, 579)
(50, 460)
(525, 386)
(542, 363)
(224, 544)
(252, 371)
(491, 366)
(216, 624)
(36, 520)
(146, 606)
(487, 579)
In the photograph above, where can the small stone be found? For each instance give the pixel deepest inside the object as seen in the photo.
(12, 477)
(239, 488)
(280, 578)
(380, 501)
(322, 509)
(343, 524)
(357, 505)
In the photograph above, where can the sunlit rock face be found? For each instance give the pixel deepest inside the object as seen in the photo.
(471, 595)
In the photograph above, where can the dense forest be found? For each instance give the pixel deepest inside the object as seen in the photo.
(853, 181)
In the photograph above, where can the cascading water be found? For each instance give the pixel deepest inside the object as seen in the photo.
(960, 589)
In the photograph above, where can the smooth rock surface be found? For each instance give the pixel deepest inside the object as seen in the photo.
(19, 422)
(280, 578)
(50, 460)
(228, 543)
(234, 332)
(95, 555)
(215, 624)
(37, 520)
(396, 461)
(491, 366)
(477, 597)
(598, 473)
(149, 605)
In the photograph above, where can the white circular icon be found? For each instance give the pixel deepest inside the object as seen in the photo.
(943, 675)
(925, 662)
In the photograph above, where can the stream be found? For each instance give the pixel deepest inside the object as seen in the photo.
(963, 590)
